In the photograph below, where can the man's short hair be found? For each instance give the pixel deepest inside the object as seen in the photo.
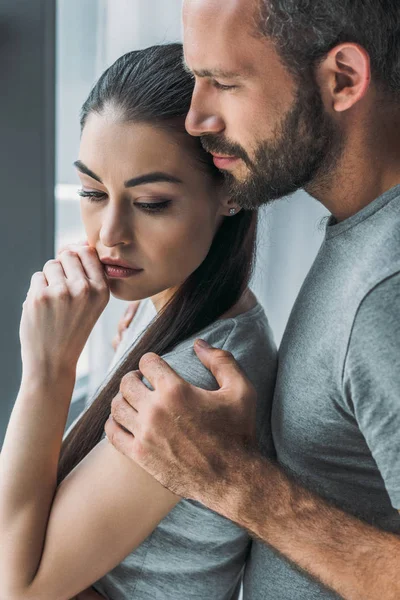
(306, 30)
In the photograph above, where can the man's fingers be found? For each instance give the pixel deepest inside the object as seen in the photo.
(116, 342)
(131, 312)
(155, 369)
(222, 365)
(133, 390)
(124, 414)
(120, 439)
(128, 316)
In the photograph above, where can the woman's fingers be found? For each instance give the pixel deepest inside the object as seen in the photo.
(72, 265)
(69, 246)
(91, 265)
(38, 282)
(54, 273)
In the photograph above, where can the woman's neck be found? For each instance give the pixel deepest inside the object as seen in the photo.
(246, 302)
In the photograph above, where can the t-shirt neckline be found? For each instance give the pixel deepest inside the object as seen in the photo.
(334, 229)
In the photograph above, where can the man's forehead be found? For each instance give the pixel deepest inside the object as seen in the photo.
(198, 13)
(216, 35)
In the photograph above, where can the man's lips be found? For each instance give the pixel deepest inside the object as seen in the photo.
(224, 162)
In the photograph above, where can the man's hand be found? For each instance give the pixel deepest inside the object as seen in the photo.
(124, 322)
(182, 435)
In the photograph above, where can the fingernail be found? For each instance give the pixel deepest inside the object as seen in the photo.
(202, 343)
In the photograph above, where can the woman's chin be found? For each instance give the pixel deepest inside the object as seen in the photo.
(129, 295)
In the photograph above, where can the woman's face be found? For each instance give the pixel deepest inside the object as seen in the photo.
(147, 203)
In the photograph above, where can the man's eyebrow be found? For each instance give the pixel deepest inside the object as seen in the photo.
(155, 177)
(211, 73)
(84, 169)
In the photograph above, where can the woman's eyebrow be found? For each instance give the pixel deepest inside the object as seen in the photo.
(84, 169)
(152, 178)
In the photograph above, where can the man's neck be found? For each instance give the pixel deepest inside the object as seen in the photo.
(367, 169)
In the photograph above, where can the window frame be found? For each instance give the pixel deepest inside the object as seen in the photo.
(27, 169)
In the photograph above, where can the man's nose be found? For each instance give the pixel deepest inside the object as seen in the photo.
(202, 119)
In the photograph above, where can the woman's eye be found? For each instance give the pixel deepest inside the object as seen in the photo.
(153, 207)
(92, 196)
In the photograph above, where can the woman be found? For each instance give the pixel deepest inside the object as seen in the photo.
(159, 225)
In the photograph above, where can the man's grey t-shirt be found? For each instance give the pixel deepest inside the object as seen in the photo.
(194, 552)
(336, 409)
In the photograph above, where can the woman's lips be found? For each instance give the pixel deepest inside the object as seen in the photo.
(116, 272)
(225, 162)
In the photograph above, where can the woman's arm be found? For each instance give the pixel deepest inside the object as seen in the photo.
(55, 548)
(57, 542)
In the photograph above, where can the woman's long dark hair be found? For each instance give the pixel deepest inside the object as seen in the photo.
(152, 86)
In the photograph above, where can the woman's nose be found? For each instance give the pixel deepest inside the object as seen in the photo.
(116, 228)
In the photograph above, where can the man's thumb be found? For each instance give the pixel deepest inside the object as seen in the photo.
(220, 362)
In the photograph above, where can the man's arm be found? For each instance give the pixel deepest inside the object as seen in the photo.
(196, 443)
(354, 559)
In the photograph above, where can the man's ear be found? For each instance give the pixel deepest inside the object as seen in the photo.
(344, 76)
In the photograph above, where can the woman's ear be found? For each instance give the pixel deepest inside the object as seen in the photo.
(227, 207)
(344, 76)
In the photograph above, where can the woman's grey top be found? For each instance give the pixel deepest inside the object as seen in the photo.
(194, 552)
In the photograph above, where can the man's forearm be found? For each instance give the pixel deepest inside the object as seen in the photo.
(356, 560)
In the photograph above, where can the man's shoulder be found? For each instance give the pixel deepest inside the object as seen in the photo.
(378, 310)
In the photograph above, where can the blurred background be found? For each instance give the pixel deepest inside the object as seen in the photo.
(51, 53)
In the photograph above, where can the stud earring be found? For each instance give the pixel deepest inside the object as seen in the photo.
(232, 211)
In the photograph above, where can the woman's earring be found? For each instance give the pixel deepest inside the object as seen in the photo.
(232, 211)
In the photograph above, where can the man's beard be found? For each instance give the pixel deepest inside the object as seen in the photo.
(303, 152)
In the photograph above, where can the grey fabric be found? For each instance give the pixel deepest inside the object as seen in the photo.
(336, 409)
(194, 552)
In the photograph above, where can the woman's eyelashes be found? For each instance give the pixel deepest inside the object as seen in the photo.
(150, 207)
(92, 196)
(153, 206)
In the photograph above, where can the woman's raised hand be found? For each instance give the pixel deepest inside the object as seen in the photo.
(63, 303)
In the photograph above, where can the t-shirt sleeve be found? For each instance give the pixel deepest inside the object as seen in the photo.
(372, 379)
(255, 351)
(185, 362)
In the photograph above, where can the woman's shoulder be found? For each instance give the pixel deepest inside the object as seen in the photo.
(239, 333)
(247, 336)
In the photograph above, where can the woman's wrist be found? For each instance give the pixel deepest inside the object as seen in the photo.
(49, 377)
